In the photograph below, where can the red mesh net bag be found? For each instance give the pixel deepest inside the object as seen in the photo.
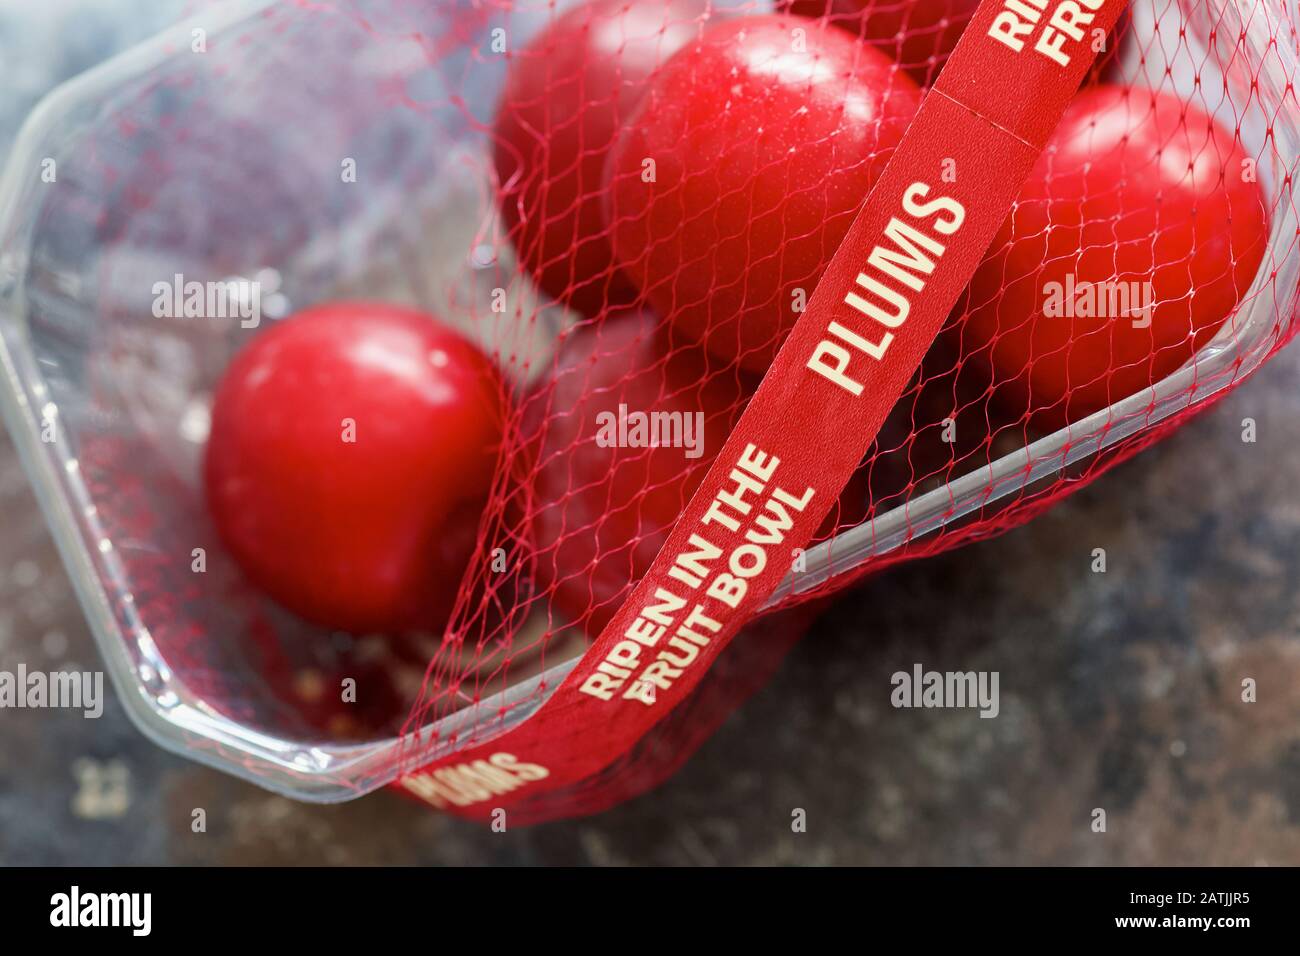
(765, 298)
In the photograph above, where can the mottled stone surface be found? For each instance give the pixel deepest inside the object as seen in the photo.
(1118, 690)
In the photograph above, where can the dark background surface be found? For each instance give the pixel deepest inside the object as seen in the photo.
(1118, 690)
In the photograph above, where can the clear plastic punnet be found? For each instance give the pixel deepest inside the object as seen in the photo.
(451, 157)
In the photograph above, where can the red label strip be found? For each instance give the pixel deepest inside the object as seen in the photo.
(914, 246)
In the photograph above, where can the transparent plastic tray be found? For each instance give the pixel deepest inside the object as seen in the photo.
(252, 129)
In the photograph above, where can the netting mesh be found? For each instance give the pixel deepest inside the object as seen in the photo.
(626, 204)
